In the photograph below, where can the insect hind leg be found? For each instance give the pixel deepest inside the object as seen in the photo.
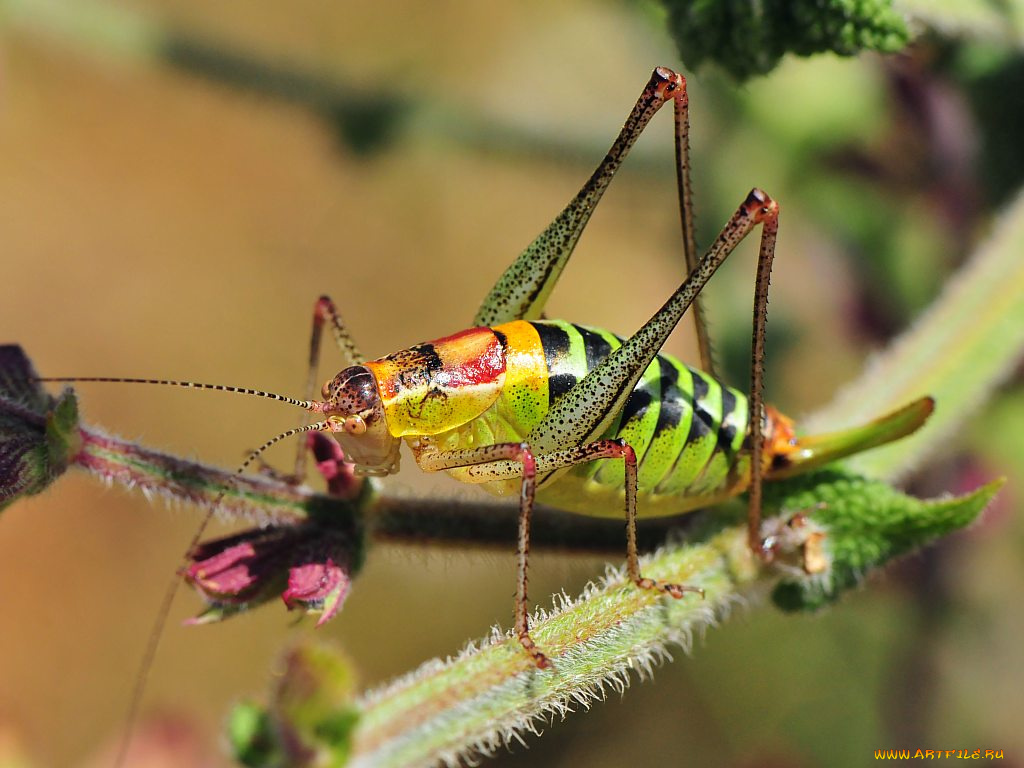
(766, 256)
(523, 289)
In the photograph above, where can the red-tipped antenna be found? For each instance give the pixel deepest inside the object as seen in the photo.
(309, 405)
(156, 633)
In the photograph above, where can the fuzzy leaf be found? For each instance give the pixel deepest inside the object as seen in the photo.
(39, 434)
(867, 524)
(747, 38)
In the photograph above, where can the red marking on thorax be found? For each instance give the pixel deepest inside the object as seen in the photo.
(470, 357)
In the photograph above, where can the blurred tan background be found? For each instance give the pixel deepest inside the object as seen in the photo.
(155, 222)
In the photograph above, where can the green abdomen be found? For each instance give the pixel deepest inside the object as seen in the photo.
(687, 430)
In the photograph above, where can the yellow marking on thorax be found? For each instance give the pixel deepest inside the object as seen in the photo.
(440, 385)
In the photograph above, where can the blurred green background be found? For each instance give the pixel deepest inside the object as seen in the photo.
(179, 186)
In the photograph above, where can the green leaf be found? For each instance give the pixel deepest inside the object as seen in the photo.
(866, 524)
(39, 434)
(749, 37)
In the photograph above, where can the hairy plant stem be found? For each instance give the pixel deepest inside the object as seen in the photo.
(830, 529)
(391, 519)
(259, 498)
(483, 698)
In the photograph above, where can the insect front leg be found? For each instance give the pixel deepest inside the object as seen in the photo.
(324, 311)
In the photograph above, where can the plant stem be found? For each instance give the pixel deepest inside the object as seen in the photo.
(255, 497)
(477, 702)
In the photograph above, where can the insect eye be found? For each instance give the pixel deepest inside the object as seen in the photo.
(325, 391)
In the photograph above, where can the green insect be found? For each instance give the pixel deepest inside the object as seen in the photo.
(527, 406)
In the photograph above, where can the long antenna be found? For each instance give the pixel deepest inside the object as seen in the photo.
(309, 405)
(164, 612)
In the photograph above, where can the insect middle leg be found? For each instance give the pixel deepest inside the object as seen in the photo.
(504, 461)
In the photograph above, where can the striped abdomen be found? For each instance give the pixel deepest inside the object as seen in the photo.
(687, 428)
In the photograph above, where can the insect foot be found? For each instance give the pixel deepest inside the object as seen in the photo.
(538, 657)
(676, 590)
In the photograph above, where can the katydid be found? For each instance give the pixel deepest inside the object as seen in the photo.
(525, 406)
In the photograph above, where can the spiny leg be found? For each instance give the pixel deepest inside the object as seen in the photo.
(522, 291)
(324, 311)
(765, 257)
(685, 196)
(504, 461)
(586, 411)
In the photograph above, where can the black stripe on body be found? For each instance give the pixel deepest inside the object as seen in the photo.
(672, 402)
(595, 345)
(571, 351)
(417, 365)
(700, 424)
(668, 433)
(644, 393)
(502, 340)
(726, 431)
(570, 357)
(554, 340)
(706, 457)
(636, 406)
(638, 421)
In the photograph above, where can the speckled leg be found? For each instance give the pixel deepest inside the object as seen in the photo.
(507, 460)
(523, 290)
(586, 411)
